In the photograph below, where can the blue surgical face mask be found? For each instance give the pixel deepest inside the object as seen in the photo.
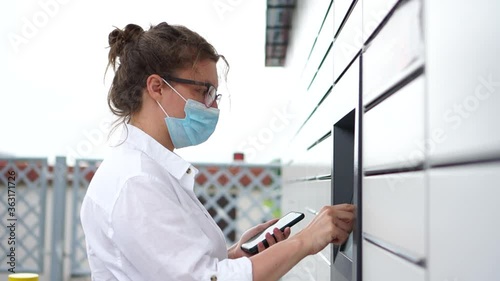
(196, 127)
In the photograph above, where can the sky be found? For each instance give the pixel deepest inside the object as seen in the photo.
(53, 55)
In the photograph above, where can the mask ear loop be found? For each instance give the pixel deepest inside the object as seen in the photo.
(174, 89)
(162, 108)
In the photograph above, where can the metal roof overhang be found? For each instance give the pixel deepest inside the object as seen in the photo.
(278, 25)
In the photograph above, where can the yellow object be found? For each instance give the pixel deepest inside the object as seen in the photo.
(23, 277)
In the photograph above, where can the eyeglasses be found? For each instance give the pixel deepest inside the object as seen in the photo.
(211, 95)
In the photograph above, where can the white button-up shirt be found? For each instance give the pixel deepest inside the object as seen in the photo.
(142, 220)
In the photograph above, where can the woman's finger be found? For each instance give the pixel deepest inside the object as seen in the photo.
(340, 237)
(345, 226)
(346, 207)
(345, 216)
(287, 232)
(260, 247)
(278, 235)
(270, 239)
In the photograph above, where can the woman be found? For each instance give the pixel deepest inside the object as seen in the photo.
(140, 216)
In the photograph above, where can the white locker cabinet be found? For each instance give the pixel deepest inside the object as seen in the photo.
(394, 130)
(312, 163)
(395, 51)
(318, 124)
(289, 200)
(321, 84)
(319, 88)
(374, 12)
(306, 199)
(321, 46)
(322, 267)
(349, 41)
(341, 8)
(296, 169)
(462, 48)
(318, 194)
(464, 237)
(380, 265)
(319, 159)
(306, 25)
(430, 155)
(345, 93)
(394, 210)
(338, 103)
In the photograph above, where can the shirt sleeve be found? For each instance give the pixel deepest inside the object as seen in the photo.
(156, 236)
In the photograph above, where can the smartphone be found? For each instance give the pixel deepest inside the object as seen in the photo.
(287, 220)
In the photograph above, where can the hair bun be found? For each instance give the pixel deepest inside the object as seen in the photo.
(118, 38)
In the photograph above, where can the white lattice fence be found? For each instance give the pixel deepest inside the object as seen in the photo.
(239, 196)
(22, 210)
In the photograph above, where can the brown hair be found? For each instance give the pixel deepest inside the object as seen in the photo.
(136, 54)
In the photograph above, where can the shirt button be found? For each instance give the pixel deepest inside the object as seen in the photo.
(188, 171)
(213, 278)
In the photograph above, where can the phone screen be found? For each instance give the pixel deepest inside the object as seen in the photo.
(286, 221)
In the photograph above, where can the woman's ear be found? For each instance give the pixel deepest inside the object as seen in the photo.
(153, 86)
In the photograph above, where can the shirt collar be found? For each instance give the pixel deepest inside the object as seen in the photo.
(172, 162)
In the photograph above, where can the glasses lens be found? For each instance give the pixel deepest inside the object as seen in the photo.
(210, 96)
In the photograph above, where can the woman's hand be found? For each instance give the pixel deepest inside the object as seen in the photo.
(332, 225)
(236, 252)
